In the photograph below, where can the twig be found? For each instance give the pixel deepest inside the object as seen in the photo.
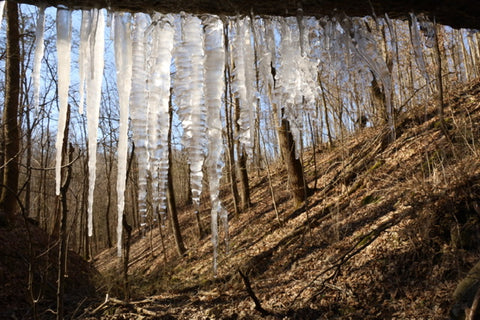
(78, 307)
(66, 165)
(258, 305)
(103, 304)
(134, 304)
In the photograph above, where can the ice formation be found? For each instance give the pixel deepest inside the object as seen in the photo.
(84, 54)
(189, 59)
(294, 78)
(214, 68)
(138, 110)
(123, 62)
(162, 36)
(418, 49)
(352, 50)
(365, 47)
(2, 7)
(243, 81)
(38, 56)
(64, 35)
(94, 94)
(266, 55)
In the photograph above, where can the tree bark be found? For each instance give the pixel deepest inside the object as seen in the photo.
(172, 207)
(229, 132)
(62, 246)
(242, 164)
(296, 179)
(10, 116)
(294, 166)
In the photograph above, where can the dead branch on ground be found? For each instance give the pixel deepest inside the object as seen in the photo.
(258, 305)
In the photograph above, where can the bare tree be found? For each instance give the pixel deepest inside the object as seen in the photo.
(172, 207)
(296, 179)
(8, 200)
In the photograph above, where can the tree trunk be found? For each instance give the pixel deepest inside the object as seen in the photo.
(229, 133)
(296, 180)
(294, 166)
(108, 173)
(62, 247)
(126, 257)
(172, 207)
(10, 122)
(325, 109)
(243, 173)
(242, 163)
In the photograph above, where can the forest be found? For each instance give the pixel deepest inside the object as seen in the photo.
(199, 166)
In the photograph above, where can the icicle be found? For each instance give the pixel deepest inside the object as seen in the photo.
(247, 111)
(418, 50)
(265, 53)
(288, 79)
(2, 7)
(393, 36)
(158, 106)
(39, 49)
(243, 82)
(189, 87)
(123, 62)
(214, 68)
(364, 46)
(64, 35)
(94, 93)
(138, 110)
(301, 28)
(84, 53)
(295, 77)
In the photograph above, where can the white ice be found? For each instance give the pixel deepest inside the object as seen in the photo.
(295, 78)
(189, 59)
(123, 63)
(138, 110)
(214, 85)
(64, 35)
(84, 54)
(363, 43)
(38, 56)
(94, 94)
(243, 81)
(418, 49)
(2, 7)
(160, 59)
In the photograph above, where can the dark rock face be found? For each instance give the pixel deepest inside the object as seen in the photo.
(458, 13)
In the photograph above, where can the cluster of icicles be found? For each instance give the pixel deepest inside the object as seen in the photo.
(143, 57)
(147, 46)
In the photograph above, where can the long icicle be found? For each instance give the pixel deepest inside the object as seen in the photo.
(64, 36)
(214, 68)
(243, 81)
(39, 50)
(158, 101)
(123, 62)
(94, 93)
(138, 111)
(2, 7)
(189, 58)
(84, 54)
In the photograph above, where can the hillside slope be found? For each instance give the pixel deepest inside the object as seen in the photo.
(29, 273)
(388, 233)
